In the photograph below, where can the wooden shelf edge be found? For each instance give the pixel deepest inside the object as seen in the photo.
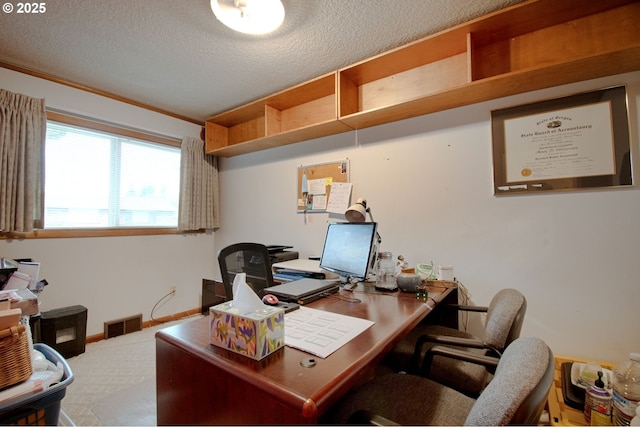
(302, 92)
(290, 137)
(611, 63)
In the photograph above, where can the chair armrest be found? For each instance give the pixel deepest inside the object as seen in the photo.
(363, 417)
(454, 353)
(450, 340)
(474, 308)
(442, 339)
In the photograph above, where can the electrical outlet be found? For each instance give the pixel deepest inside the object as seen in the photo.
(172, 290)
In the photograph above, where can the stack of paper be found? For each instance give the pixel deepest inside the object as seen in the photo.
(26, 277)
(295, 269)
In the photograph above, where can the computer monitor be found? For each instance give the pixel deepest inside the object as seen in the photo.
(350, 249)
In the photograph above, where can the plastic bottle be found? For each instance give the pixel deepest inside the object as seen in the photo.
(597, 403)
(626, 390)
(636, 420)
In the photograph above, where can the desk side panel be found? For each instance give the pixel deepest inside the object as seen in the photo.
(191, 391)
(201, 384)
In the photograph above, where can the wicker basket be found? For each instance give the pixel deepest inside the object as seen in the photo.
(15, 359)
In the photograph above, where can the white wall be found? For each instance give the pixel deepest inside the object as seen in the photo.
(84, 103)
(114, 277)
(428, 181)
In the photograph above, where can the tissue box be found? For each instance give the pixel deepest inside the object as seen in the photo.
(256, 334)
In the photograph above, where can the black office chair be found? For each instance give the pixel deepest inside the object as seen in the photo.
(250, 258)
(517, 394)
(505, 316)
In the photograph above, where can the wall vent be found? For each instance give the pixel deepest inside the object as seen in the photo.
(123, 326)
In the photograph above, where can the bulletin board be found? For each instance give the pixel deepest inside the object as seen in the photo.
(315, 181)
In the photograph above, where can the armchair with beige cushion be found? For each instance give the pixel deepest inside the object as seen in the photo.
(516, 394)
(503, 323)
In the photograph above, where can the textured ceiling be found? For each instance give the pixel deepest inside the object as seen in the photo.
(175, 56)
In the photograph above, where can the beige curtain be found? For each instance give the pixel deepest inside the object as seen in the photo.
(23, 126)
(199, 194)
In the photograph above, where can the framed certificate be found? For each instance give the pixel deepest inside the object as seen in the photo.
(576, 142)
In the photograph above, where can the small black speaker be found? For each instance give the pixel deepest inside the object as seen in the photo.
(65, 329)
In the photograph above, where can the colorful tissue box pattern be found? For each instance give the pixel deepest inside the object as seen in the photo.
(256, 334)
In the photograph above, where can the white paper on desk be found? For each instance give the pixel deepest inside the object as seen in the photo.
(245, 300)
(321, 332)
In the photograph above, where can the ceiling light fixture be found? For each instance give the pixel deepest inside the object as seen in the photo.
(249, 16)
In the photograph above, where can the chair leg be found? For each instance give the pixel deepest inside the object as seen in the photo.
(363, 417)
(414, 366)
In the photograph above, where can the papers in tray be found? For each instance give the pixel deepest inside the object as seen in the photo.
(321, 332)
(300, 268)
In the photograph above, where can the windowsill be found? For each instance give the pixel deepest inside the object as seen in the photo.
(94, 232)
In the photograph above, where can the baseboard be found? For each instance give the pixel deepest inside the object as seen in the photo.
(154, 322)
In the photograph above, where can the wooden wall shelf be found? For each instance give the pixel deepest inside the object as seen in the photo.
(530, 46)
(303, 112)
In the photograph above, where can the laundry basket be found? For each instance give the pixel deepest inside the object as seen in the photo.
(41, 408)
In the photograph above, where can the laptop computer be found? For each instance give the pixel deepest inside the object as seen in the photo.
(303, 291)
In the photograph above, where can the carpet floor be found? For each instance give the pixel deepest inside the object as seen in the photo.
(114, 381)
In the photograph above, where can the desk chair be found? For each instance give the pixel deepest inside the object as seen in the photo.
(505, 315)
(250, 258)
(516, 394)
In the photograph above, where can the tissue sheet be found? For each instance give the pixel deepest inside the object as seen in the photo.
(244, 326)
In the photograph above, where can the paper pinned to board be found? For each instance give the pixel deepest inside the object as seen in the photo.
(339, 197)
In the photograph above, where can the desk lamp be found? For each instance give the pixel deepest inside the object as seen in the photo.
(357, 211)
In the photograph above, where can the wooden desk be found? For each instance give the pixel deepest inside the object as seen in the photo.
(560, 413)
(198, 383)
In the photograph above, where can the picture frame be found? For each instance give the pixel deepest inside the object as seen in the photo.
(575, 142)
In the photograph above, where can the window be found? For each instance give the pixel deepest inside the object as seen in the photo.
(97, 179)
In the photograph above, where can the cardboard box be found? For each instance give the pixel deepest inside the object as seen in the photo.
(255, 334)
(28, 302)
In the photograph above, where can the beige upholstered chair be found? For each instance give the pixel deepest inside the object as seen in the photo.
(503, 323)
(516, 394)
